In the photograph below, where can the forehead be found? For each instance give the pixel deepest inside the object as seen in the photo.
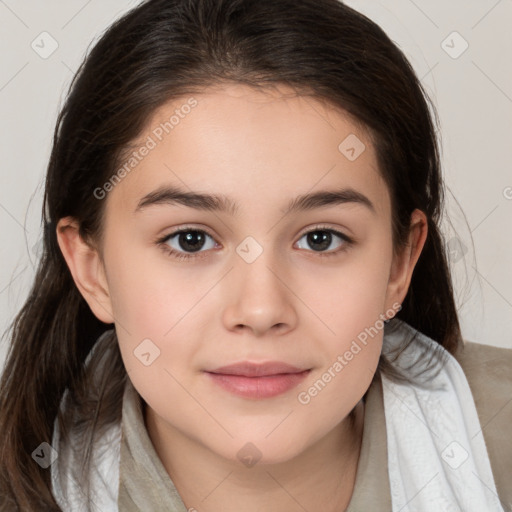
(253, 145)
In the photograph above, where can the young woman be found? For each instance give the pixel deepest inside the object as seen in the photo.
(244, 300)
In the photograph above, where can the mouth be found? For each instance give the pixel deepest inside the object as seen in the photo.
(258, 380)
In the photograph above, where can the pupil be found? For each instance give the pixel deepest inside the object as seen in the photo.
(319, 241)
(191, 240)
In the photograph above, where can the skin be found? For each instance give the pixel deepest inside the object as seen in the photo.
(262, 149)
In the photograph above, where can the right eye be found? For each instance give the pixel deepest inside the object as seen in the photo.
(184, 242)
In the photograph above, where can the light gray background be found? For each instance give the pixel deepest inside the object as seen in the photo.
(473, 95)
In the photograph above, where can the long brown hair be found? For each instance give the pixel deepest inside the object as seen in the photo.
(164, 49)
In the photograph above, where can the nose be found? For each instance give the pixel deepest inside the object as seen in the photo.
(260, 298)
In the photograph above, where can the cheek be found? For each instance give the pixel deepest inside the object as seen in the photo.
(153, 311)
(352, 306)
(154, 320)
(148, 294)
(349, 305)
(348, 296)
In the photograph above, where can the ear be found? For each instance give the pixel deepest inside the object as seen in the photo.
(86, 267)
(404, 262)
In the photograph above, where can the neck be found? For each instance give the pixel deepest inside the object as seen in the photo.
(320, 478)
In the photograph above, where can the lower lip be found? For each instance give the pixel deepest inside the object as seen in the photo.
(258, 387)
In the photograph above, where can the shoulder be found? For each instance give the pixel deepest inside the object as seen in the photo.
(488, 370)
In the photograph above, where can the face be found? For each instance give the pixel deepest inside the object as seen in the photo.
(255, 274)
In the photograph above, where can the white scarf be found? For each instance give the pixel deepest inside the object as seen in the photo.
(437, 458)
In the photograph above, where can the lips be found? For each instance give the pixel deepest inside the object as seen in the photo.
(258, 380)
(248, 369)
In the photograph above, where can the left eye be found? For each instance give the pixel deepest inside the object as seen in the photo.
(322, 239)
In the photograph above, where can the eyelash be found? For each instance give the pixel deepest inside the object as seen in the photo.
(162, 242)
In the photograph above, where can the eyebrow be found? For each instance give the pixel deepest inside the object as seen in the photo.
(171, 195)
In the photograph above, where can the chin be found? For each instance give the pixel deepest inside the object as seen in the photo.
(260, 450)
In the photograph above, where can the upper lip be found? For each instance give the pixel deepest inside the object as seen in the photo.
(248, 369)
